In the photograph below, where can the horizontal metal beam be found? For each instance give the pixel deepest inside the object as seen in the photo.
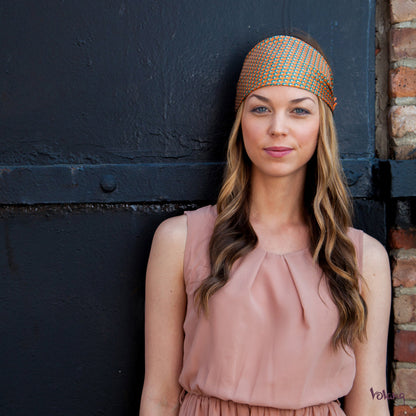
(108, 183)
(156, 182)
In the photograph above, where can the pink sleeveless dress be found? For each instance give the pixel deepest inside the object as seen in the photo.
(264, 349)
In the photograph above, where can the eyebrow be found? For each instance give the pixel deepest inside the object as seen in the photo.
(295, 101)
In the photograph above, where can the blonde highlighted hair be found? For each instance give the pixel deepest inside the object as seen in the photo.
(328, 208)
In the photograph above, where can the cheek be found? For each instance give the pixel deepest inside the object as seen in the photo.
(249, 130)
(248, 145)
(309, 136)
(250, 133)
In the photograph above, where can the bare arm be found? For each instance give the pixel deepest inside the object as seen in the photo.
(164, 315)
(371, 355)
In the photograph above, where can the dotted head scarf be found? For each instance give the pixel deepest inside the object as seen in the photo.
(289, 61)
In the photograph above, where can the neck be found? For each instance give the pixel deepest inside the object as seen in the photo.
(277, 201)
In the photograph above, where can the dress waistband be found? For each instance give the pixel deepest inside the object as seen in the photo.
(198, 404)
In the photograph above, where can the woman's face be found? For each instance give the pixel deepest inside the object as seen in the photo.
(280, 127)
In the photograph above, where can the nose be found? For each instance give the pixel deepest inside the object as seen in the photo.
(278, 124)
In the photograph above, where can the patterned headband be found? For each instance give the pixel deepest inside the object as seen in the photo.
(289, 61)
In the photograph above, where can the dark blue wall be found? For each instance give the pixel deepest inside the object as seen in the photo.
(114, 116)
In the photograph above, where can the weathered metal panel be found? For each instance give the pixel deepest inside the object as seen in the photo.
(71, 307)
(144, 82)
(403, 178)
(370, 216)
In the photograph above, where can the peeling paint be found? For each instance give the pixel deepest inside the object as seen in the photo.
(9, 211)
(4, 170)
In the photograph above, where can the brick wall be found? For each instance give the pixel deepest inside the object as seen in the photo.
(402, 92)
(402, 131)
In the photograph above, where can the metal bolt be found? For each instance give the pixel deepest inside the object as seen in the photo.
(108, 183)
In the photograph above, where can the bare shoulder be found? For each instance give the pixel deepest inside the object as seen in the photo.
(372, 246)
(168, 249)
(172, 231)
(376, 266)
(164, 276)
(374, 254)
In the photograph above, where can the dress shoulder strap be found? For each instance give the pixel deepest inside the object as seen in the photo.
(200, 225)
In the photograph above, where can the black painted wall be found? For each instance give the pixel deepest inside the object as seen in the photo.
(113, 116)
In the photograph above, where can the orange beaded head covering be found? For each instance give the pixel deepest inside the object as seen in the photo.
(289, 61)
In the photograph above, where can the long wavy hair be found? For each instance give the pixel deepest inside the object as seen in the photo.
(328, 210)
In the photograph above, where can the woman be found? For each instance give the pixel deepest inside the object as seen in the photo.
(269, 303)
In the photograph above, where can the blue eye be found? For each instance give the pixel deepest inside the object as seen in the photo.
(301, 111)
(259, 110)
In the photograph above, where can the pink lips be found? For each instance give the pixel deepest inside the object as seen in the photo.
(278, 151)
